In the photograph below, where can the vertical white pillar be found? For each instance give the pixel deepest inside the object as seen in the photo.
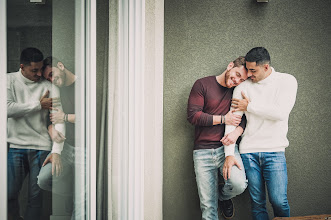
(135, 109)
(153, 163)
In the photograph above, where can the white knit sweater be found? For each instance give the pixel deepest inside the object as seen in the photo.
(271, 101)
(27, 121)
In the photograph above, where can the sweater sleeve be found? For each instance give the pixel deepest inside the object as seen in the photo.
(195, 114)
(280, 109)
(15, 109)
(229, 150)
(57, 147)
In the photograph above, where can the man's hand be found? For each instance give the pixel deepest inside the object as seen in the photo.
(240, 104)
(55, 159)
(47, 103)
(232, 119)
(228, 163)
(57, 117)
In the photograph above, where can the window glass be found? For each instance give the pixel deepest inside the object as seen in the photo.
(46, 167)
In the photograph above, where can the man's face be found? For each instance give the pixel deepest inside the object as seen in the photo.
(54, 75)
(258, 72)
(235, 76)
(33, 71)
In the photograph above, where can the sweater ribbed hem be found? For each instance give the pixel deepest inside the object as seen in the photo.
(30, 147)
(259, 150)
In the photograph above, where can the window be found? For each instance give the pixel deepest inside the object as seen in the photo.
(63, 32)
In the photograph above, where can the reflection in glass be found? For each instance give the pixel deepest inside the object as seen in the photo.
(41, 97)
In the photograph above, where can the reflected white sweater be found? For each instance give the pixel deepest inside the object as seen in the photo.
(271, 101)
(27, 121)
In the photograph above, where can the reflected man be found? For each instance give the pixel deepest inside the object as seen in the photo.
(29, 99)
(208, 109)
(55, 72)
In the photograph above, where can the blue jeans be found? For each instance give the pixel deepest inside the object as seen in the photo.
(267, 168)
(208, 163)
(20, 163)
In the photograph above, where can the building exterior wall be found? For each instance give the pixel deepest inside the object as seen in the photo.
(201, 38)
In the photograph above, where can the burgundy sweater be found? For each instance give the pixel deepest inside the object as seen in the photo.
(208, 98)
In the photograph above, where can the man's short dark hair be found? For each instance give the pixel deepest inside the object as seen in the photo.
(260, 55)
(50, 61)
(31, 54)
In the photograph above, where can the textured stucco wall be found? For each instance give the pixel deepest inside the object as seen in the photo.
(63, 33)
(201, 38)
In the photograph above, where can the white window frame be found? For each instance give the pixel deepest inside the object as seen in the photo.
(90, 116)
(85, 51)
(3, 109)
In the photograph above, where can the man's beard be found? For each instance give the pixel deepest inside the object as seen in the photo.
(227, 77)
(63, 78)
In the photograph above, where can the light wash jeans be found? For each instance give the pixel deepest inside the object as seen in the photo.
(208, 163)
(20, 163)
(64, 184)
(267, 168)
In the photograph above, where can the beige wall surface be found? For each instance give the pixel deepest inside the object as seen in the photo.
(201, 38)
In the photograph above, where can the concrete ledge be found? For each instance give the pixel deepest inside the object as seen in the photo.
(311, 217)
(60, 217)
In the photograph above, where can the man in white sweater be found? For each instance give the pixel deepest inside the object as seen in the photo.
(29, 99)
(267, 100)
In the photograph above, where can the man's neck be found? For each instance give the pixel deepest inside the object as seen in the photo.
(26, 80)
(70, 77)
(268, 73)
(221, 79)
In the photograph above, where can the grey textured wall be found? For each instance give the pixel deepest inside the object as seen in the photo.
(63, 33)
(201, 38)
